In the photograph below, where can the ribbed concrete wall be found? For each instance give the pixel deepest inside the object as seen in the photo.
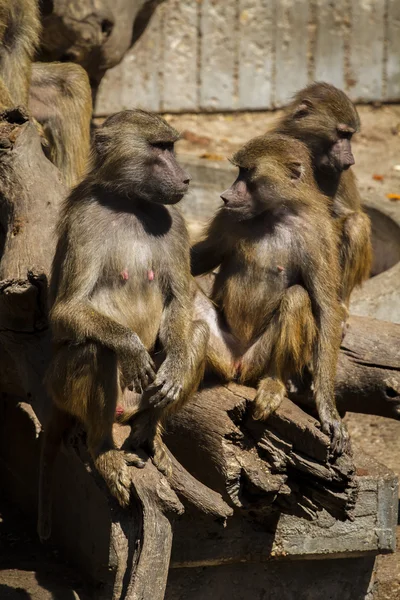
(222, 55)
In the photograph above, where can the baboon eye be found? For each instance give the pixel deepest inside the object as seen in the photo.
(244, 172)
(344, 131)
(345, 135)
(164, 146)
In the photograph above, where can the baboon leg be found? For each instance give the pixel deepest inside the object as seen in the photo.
(20, 29)
(58, 423)
(111, 463)
(284, 349)
(147, 424)
(222, 352)
(84, 382)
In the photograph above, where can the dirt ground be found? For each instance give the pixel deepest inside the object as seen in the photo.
(27, 572)
(376, 148)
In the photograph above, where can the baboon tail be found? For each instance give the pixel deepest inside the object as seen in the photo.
(59, 422)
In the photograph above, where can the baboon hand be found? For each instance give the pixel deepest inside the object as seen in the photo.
(333, 426)
(137, 367)
(167, 386)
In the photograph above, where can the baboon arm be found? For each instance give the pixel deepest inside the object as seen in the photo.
(321, 284)
(79, 321)
(176, 321)
(73, 316)
(208, 254)
(355, 252)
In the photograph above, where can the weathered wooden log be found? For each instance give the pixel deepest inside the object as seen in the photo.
(283, 463)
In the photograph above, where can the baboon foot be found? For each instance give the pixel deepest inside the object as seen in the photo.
(113, 467)
(268, 398)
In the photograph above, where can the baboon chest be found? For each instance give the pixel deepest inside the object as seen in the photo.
(134, 283)
(251, 282)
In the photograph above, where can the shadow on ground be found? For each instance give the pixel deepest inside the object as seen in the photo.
(29, 571)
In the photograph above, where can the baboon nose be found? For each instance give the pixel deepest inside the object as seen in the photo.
(186, 181)
(225, 196)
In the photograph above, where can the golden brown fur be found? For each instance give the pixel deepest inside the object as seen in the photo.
(320, 115)
(274, 304)
(58, 94)
(61, 100)
(121, 296)
(19, 38)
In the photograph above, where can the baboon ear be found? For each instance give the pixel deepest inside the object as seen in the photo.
(302, 110)
(296, 169)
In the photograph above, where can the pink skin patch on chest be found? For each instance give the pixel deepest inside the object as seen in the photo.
(280, 269)
(125, 275)
(150, 275)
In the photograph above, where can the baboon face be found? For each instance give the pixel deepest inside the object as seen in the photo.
(167, 181)
(134, 156)
(337, 155)
(271, 170)
(325, 119)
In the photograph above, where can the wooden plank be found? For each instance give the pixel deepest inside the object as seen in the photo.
(329, 55)
(218, 55)
(256, 53)
(180, 41)
(291, 48)
(365, 79)
(135, 83)
(393, 51)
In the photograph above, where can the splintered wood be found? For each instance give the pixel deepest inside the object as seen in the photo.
(284, 464)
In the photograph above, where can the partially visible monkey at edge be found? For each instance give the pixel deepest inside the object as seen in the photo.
(274, 307)
(325, 119)
(120, 289)
(19, 37)
(60, 99)
(58, 94)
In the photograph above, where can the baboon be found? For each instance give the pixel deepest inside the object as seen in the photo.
(274, 305)
(61, 100)
(325, 119)
(19, 38)
(121, 293)
(58, 94)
